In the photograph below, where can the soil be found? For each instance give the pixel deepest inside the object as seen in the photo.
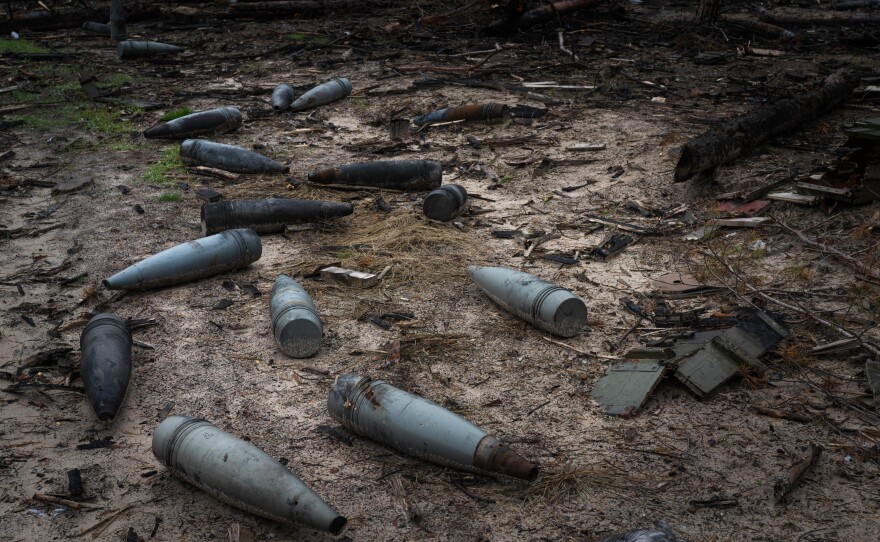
(600, 474)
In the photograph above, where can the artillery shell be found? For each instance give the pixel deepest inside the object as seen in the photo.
(323, 94)
(269, 215)
(190, 261)
(295, 324)
(489, 113)
(394, 174)
(239, 474)
(282, 97)
(416, 426)
(105, 344)
(543, 304)
(445, 203)
(214, 121)
(227, 157)
(142, 49)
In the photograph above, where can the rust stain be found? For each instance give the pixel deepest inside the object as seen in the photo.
(370, 394)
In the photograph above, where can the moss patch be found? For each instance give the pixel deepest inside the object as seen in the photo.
(175, 114)
(114, 80)
(101, 120)
(19, 46)
(169, 196)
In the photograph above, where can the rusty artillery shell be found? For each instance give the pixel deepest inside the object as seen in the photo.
(416, 426)
(394, 174)
(543, 304)
(143, 49)
(93, 27)
(295, 324)
(213, 121)
(239, 474)
(282, 97)
(105, 344)
(445, 203)
(190, 261)
(227, 157)
(268, 215)
(117, 20)
(323, 94)
(488, 113)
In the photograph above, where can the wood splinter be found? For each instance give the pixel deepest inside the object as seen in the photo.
(73, 505)
(783, 487)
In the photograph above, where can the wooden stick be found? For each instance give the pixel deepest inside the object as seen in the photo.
(563, 345)
(104, 523)
(784, 486)
(872, 272)
(809, 314)
(562, 48)
(73, 505)
(782, 414)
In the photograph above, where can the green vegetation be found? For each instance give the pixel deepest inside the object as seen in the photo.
(63, 91)
(169, 196)
(357, 102)
(114, 80)
(175, 114)
(122, 146)
(101, 120)
(170, 161)
(19, 46)
(309, 38)
(61, 116)
(49, 69)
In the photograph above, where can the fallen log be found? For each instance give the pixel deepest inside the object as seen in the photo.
(539, 15)
(270, 9)
(827, 19)
(722, 145)
(267, 9)
(59, 20)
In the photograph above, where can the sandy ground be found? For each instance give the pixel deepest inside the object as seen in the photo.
(599, 474)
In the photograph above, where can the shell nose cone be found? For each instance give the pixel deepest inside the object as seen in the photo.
(164, 434)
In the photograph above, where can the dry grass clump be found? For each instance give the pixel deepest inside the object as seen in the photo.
(792, 354)
(558, 485)
(416, 249)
